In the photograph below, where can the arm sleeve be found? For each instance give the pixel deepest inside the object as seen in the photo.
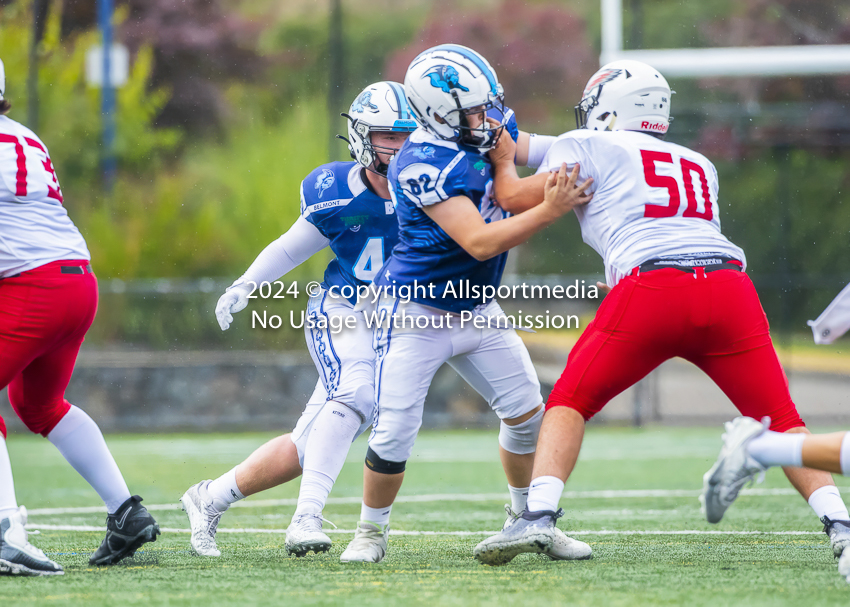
(538, 145)
(292, 249)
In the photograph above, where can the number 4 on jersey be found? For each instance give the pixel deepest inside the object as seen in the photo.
(655, 180)
(21, 174)
(370, 260)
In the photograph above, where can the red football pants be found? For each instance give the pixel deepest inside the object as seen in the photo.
(44, 316)
(714, 320)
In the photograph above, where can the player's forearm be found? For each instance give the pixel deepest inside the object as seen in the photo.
(514, 194)
(490, 239)
(286, 253)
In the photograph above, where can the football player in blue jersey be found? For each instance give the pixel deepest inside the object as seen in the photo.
(453, 241)
(347, 206)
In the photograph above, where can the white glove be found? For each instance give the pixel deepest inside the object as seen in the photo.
(235, 299)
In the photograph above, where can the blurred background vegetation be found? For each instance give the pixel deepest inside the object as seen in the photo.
(226, 110)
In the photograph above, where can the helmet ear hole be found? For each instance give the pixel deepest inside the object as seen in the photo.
(604, 116)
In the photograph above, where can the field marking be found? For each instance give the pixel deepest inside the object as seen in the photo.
(449, 533)
(447, 497)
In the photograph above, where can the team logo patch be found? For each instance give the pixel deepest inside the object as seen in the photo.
(424, 153)
(363, 103)
(480, 166)
(324, 181)
(601, 78)
(355, 222)
(445, 78)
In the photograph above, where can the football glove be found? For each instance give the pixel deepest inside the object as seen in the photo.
(235, 299)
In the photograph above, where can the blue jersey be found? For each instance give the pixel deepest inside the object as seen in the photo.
(428, 170)
(361, 226)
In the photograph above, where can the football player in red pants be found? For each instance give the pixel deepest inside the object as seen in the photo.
(678, 289)
(48, 300)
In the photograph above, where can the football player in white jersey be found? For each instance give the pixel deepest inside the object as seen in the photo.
(48, 299)
(678, 289)
(345, 206)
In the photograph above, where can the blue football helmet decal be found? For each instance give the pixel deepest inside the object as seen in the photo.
(446, 78)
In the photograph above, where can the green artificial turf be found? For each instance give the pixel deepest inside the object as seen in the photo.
(454, 483)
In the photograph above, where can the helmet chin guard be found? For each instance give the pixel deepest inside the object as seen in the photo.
(625, 96)
(380, 107)
(447, 84)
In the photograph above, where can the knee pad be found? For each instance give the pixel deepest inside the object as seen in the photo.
(522, 438)
(382, 466)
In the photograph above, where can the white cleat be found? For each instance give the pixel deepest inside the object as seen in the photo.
(305, 534)
(512, 516)
(844, 565)
(204, 514)
(531, 532)
(733, 469)
(368, 546)
(17, 555)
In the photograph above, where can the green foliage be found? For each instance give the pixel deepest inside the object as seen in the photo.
(69, 111)
(216, 209)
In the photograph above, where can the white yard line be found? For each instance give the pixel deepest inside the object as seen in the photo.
(448, 497)
(450, 533)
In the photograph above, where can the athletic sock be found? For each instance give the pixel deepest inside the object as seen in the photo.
(544, 493)
(327, 446)
(845, 455)
(519, 496)
(376, 516)
(777, 449)
(8, 503)
(827, 501)
(224, 489)
(81, 443)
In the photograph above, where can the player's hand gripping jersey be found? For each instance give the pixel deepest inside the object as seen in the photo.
(428, 170)
(652, 199)
(34, 226)
(360, 226)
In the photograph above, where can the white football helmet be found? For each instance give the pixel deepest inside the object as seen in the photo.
(2, 80)
(379, 107)
(446, 83)
(625, 96)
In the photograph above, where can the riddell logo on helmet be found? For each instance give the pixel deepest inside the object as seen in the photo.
(653, 126)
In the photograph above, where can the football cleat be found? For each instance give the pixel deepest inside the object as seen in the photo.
(204, 513)
(305, 534)
(17, 555)
(512, 516)
(531, 532)
(126, 530)
(838, 533)
(368, 546)
(844, 565)
(733, 469)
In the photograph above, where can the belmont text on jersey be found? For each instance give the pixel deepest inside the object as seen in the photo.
(361, 226)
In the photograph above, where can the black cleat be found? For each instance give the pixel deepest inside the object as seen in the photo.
(838, 533)
(126, 530)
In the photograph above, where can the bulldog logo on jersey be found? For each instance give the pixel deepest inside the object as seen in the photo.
(445, 78)
(324, 181)
(601, 78)
(363, 103)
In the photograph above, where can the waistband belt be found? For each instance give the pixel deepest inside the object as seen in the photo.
(692, 266)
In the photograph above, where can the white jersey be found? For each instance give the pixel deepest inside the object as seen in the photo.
(34, 226)
(651, 198)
